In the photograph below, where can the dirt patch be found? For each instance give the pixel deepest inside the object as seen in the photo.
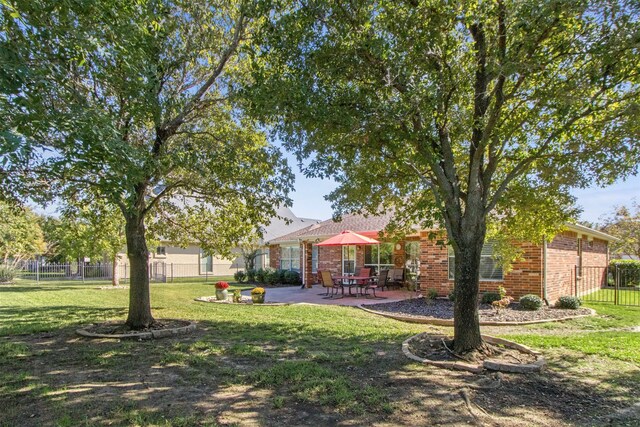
(443, 309)
(159, 329)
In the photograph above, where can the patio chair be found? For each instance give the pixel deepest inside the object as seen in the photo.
(377, 283)
(321, 282)
(396, 277)
(331, 284)
(363, 272)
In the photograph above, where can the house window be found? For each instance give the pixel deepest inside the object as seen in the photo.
(290, 258)
(314, 259)
(412, 252)
(378, 257)
(348, 259)
(266, 258)
(206, 262)
(490, 269)
(161, 250)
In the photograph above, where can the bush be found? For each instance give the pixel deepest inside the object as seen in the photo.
(251, 275)
(489, 297)
(432, 294)
(240, 276)
(530, 302)
(292, 278)
(625, 271)
(272, 277)
(261, 275)
(452, 295)
(7, 274)
(570, 302)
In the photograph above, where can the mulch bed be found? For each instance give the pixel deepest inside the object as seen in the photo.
(443, 309)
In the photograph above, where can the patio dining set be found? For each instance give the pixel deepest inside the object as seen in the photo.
(364, 283)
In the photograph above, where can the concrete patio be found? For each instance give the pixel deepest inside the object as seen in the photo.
(316, 295)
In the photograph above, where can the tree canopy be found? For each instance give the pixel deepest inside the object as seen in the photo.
(134, 104)
(472, 116)
(20, 234)
(624, 223)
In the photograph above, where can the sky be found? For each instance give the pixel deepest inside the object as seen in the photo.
(308, 199)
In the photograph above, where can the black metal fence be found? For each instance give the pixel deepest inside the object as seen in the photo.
(618, 284)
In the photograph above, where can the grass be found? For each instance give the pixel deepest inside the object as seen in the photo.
(624, 296)
(277, 361)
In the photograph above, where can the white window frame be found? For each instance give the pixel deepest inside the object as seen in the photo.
(487, 252)
(314, 259)
(288, 259)
(377, 266)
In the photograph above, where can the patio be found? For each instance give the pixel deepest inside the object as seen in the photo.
(297, 295)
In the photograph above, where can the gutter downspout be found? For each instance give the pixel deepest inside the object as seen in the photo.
(544, 272)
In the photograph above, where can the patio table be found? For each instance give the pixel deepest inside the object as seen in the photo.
(351, 281)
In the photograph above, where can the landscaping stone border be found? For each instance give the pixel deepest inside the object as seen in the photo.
(449, 322)
(490, 364)
(146, 335)
(251, 303)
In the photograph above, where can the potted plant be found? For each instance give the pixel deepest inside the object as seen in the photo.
(221, 291)
(237, 297)
(257, 295)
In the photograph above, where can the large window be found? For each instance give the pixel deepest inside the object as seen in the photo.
(490, 269)
(290, 258)
(348, 260)
(378, 257)
(412, 252)
(314, 259)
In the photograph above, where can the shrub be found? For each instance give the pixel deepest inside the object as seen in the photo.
(251, 275)
(432, 294)
(261, 275)
(292, 278)
(452, 295)
(489, 297)
(570, 302)
(502, 292)
(239, 276)
(281, 276)
(530, 302)
(271, 277)
(7, 274)
(625, 271)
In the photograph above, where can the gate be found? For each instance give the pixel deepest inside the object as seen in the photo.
(618, 284)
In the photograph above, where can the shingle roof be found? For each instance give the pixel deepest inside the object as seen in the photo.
(356, 223)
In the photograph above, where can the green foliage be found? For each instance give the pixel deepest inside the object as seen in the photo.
(292, 278)
(432, 294)
(239, 276)
(7, 274)
(489, 297)
(251, 275)
(624, 223)
(624, 273)
(261, 275)
(452, 295)
(570, 302)
(20, 234)
(502, 292)
(530, 302)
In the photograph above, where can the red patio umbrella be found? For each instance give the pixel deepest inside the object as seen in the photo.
(348, 238)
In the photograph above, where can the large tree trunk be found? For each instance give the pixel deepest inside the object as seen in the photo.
(139, 301)
(466, 322)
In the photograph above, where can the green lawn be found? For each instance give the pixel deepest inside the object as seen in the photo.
(298, 364)
(624, 296)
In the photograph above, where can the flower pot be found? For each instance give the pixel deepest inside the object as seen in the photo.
(222, 294)
(257, 298)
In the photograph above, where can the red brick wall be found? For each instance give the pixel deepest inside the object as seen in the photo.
(524, 278)
(310, 278)
(274, 256)
(330, 258)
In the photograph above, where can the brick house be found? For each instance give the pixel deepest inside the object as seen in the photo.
(549, 270)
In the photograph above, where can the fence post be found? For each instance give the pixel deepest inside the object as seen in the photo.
(82, 270)
(576, 278)
(37, 271)
(171, 272)
(206, 275)
(617, 284)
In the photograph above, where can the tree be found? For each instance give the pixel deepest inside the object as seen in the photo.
(134, 104)
(624, 223)
(20, 234)
(472, 116)
(87, 229)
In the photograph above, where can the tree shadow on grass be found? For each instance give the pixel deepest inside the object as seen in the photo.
(274, 373)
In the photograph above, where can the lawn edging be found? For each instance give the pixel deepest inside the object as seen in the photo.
(449, 322)
(144, 335)
(490, 364)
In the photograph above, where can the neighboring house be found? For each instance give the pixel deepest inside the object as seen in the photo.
(169, 261)
(550, 270)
